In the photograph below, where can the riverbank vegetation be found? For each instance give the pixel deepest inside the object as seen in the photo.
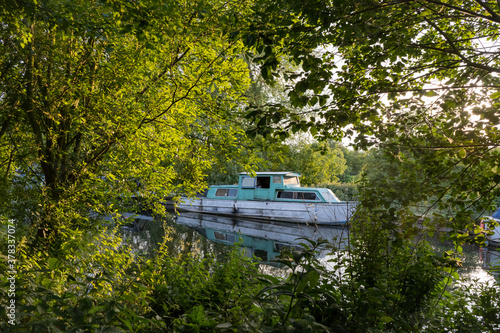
(106, 104)
(381, 281)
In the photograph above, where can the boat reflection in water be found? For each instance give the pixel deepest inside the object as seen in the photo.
(490, 258)
(136, 230)
(263, 239)
(207, 234)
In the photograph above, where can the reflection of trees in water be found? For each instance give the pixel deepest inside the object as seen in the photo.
(281, 272)
(183, 240)
(142, 234)
(472, 259)
(145, 236)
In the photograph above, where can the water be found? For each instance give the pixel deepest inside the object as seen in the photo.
(210, 234)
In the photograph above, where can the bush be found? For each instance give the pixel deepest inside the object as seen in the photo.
(96, 283)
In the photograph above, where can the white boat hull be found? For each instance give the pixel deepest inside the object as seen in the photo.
(337, 213)
(494, 239)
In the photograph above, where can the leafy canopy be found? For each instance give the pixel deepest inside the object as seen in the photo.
(111, 100)
(419, 78)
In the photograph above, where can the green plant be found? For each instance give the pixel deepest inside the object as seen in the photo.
(306, 301)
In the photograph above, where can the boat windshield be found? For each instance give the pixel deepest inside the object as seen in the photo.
(496, 215)
(329, 196)
(287, 180)
(248, 182)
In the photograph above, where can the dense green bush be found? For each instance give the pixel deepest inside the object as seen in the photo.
(97, 283)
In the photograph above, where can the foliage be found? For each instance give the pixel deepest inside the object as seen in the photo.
(418, 78)
(475, 308)
(250, 156)
(366, 291)
(355, 162)
(106, 101)
(394, 265)
(378, 283)
(305, 300)
(86, 288)
(192, 293)
(357, 52)
(317, 162)
(98, 283)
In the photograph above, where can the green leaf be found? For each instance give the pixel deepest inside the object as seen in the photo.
(313, 131)
(54, 263)
(495, 95)
(96, 309)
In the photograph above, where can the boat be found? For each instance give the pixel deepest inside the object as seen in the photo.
(275, 196)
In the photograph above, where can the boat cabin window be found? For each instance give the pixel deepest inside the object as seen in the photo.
(276, 179)
(293, 195)
(263, 182)
(287, 180)
(285, 195)
(226, 192)
(261, 254)
(224, 237)
(247, 182)
(307, 196)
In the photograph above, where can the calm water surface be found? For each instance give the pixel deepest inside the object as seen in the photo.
(210, 234)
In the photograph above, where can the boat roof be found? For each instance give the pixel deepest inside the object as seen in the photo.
(274, 173)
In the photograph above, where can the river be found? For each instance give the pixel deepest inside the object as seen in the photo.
(210, 234)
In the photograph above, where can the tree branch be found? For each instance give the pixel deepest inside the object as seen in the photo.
(172, 64)
(188, 91)
(488, 9)
(461, 10)
(457, 52)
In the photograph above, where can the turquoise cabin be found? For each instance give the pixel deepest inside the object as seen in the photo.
(270, 186)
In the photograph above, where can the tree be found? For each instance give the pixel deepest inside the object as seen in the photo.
(355, 161)
(109, 100)
(376, 48)
(417, 77)
(317, 162)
